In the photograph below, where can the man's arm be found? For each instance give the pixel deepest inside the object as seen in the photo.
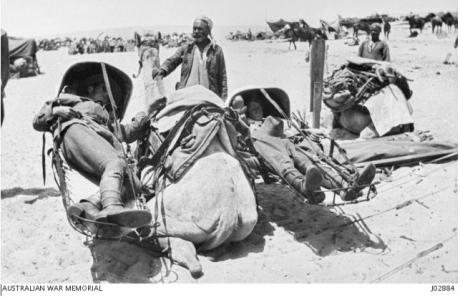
(386, 52)
(136, 129)
(223, 75)
(361, 49)
(49, 112)
(44, 119)
(172, 62)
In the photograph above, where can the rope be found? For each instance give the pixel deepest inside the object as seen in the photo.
(397, 207)
(118, 129)
(411, 261)
(413, 179)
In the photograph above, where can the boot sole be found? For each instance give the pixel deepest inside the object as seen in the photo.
(350, 195)
(367, 176)
(314, 178)
(364, 179)
(133, 219)
(315, 198)
(75, 211)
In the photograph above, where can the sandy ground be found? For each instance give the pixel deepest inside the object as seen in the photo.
(292, 242)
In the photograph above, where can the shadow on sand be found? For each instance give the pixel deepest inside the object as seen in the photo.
(38, 192)
(122, 262)
(324, 230)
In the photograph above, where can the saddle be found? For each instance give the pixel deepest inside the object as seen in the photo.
(357, 81)
(188, 139)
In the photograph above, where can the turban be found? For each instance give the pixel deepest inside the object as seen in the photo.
(205, 20)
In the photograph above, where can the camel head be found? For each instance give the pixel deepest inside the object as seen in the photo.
(148, 47)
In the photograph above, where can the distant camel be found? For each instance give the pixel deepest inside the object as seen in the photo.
(415, 22)
(436, 24)
(449, 19)
(363, 26)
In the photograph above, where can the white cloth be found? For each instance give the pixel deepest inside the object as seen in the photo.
(181, 100)
(199, 73)
(371, 45)
(388, 109)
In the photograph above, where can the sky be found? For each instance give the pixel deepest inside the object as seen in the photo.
(47, 17)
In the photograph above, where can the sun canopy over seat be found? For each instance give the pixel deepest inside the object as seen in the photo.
(256, 92)
(76, 76)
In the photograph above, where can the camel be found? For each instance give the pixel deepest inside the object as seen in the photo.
(363, 26)
(450, 20)
(149, 59)
(415, 22)
(436, 24)
(211, 203)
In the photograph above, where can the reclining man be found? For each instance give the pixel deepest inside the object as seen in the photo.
(292, 163)
(82, 123)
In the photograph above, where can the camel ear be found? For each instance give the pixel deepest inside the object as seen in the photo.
(137, 39)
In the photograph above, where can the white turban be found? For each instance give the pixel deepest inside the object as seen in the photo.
(205, 20)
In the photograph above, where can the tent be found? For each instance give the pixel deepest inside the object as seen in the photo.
(277, 25)
(26, 49)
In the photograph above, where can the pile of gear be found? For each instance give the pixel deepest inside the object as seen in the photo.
(358, 80)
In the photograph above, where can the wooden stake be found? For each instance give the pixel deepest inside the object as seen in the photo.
(318, 53)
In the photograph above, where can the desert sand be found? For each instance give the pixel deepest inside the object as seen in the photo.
(292, 242)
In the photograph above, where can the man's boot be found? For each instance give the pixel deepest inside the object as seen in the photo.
(89, 210)
(364, 179)
(312, 185)
(114, 212)
(367, 176)
(83, 209)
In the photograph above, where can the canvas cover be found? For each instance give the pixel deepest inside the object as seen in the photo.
(20, 47)
(388, 109)
(5, 59)
(280, 24)
(393, 147)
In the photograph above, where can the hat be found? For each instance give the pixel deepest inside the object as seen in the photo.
(79, 76)
(272, 127)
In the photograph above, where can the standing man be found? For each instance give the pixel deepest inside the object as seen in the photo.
(202, 61)
(375, 48)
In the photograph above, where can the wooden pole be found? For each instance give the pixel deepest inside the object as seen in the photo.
(318, 53)
(410, 159)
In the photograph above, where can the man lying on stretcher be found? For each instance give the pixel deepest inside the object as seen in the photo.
(299, 165)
